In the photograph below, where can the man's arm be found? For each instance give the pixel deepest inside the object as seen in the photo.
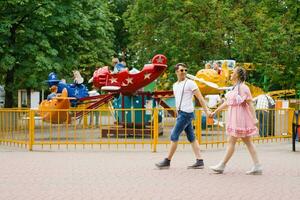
(199, 96)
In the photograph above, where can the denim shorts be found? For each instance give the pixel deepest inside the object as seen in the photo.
(183, 123)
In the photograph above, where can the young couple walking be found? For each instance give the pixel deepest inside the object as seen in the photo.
(241, 120)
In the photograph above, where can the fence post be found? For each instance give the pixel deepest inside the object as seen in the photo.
(291, 112)
(31, 129)
(85, 120)
(198, 125)
(155, 129)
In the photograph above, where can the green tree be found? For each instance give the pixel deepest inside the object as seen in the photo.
(178, 29)
(118, 8)
(37, 37)
(264, 32)
(280, 44)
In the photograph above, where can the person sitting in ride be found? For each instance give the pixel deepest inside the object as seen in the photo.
(218, 67)
(207, 66)
(118, 66)
(53, 93)
(77, 77)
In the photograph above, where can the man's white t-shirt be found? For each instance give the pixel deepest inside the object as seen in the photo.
(187, 98)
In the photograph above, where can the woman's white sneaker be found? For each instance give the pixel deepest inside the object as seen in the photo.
(219, 168)
(255, 170)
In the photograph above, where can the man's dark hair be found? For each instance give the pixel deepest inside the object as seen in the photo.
(180, 64)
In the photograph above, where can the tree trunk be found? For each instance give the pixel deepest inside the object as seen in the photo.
(9, 89)
(9, 80)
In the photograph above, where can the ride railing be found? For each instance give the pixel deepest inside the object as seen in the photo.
(137, 128)
(95, 128)
(15, 126)
(273, 125)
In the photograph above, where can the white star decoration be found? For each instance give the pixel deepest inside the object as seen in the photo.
(129, 80)
(159, 59)
(113, 80)
(147, 76)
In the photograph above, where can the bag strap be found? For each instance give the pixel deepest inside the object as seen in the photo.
(181, 95)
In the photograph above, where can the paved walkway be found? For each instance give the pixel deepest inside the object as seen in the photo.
(130, 174)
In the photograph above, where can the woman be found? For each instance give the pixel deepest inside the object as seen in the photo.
(241, 121)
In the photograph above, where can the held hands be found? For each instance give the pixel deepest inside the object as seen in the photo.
(208, 112)
(212, 114)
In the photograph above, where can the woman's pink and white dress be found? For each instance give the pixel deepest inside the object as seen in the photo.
(240, 122)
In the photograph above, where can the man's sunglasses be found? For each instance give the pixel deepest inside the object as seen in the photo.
(183, 70)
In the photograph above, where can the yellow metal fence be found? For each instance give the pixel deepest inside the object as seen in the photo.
(126, 127)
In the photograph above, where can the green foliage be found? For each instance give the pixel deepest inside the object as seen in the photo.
(264, 32)
(118, 8)
(37, 37)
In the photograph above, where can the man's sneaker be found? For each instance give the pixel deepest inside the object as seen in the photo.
(165, 164)
(256, 170)
(199, 164)
(219, 168)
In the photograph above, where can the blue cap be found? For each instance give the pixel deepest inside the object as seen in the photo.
(52, 77)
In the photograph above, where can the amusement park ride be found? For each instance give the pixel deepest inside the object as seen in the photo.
(125, 87)
(124, 83)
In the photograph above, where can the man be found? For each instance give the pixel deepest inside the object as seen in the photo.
(183, 90)
(264, 102)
